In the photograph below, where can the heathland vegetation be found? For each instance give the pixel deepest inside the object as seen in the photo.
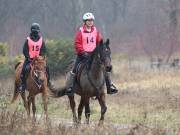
(147, 103)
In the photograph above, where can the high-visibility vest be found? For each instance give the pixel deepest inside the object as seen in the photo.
(34, 47)
(89, 39)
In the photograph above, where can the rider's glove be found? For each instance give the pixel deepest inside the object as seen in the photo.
(86, 55)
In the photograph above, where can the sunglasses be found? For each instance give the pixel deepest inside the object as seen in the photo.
(89, 20)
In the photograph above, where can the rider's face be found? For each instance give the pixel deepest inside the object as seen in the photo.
(89, 23)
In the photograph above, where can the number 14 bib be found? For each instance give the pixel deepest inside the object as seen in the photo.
(89, 40)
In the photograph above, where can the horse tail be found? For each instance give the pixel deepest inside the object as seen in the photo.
(15, 95)
(58, 92)
(17, 65)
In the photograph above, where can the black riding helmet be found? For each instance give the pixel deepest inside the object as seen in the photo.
(35, 28)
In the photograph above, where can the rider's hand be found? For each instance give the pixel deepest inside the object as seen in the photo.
(86, 55)
(30, 59)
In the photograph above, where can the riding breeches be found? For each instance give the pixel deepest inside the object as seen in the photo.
(25, 69)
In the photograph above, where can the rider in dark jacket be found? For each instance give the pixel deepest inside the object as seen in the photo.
(30, 50)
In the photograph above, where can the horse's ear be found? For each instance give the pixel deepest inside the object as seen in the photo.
(45, 57)
(107, 42)
(34, 60)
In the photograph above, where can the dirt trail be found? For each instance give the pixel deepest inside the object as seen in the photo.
(55, 121)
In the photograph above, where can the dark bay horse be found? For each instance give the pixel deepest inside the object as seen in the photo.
(90, 83)
(36, 82)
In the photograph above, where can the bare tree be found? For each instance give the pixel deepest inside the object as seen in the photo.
(172, 27)
(119, 6)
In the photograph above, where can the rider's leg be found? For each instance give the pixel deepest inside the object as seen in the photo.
(50, 85)
(22, 86)
(71, 77)
(111, 89)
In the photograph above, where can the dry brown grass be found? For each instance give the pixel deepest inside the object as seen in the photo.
(148, 103)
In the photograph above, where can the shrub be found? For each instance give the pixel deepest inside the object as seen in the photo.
(3, 53)
(5, 68)
(60, 54)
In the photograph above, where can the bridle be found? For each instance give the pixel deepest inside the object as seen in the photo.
(35, 74)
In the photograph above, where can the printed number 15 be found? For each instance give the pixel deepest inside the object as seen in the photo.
(35, 48)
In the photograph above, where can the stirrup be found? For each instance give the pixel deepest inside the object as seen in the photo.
(112, 90)
(22, 88)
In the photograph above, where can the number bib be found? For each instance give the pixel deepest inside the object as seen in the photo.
(34, 47)
(89, 40)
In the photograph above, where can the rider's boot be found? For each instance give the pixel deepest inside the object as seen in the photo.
(49, 83)
(70, 83)
(22, 86)
(111, 89)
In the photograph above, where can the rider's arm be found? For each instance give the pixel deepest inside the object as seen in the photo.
(78, 43)
(43, 49)
(98, 38)
(26, 49)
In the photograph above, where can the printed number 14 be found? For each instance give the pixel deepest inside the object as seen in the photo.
(91, 40)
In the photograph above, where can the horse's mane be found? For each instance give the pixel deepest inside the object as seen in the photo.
(97, 49)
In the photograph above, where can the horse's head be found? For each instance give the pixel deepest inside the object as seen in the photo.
(39, 68)
(105, 54)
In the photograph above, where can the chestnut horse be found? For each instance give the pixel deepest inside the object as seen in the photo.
(89, 83)
(36, 82)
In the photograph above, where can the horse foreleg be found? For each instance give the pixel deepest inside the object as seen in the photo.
(29, 104)
(102, 103)
(45, 102)
(23, 95)
(73, 107)
(87, 110)
(80, 110)
(33, 108)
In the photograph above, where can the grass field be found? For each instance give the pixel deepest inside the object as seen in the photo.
(148, 103)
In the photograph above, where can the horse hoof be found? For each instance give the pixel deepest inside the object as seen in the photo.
(87, 122)
(100, 123)
(34, 120)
